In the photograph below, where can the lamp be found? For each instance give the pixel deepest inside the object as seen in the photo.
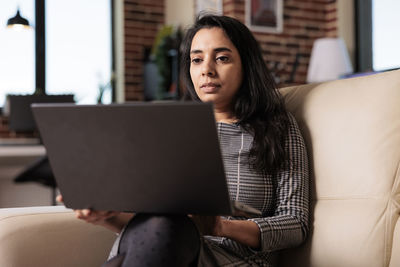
(18, 21)
(329, 60)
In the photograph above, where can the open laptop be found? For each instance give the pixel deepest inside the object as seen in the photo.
(138, 157)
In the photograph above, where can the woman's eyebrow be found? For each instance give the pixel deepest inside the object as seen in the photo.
(218, 49)
(222, 49)
(196, 51)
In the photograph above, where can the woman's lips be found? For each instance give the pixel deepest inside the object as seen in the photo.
(209, 87)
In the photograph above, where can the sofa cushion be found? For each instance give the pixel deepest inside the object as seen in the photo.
(50, 236)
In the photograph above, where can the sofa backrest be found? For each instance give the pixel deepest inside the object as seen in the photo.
(352, 132)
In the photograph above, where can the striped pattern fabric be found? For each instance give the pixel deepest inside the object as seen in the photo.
(283, 200)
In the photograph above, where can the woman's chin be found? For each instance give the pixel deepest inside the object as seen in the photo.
(208, 98)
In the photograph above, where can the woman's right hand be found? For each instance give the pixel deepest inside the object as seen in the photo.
(95, 217)
(112, 220)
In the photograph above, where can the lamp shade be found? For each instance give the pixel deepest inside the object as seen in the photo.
(18, 21)
(329, 60)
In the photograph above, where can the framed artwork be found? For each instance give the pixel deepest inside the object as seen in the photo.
(264, 15)
(213, 6)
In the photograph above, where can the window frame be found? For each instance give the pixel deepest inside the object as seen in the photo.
(363, 21)
(40, 47)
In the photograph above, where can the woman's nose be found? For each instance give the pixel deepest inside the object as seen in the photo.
(208, 68)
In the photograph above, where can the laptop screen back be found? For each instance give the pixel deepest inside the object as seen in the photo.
(139, 157)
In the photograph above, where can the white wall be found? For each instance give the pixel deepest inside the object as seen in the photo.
(179, 12)
(346, 25)
(119, 74)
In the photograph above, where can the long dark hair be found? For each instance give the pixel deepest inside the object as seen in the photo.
(258, 105)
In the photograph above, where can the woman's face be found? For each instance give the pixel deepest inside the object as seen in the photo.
(215, 67)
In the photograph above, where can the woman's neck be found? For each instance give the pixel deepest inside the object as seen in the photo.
(224, 116)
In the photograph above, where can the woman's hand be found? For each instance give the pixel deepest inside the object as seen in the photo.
(208, 225)
(112, 220)
(95, 217)
(242, 231)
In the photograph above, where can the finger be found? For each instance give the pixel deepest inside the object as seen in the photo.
(87, 212)
(78, 214)
(59, 199)
(82, 214)
(93, 216)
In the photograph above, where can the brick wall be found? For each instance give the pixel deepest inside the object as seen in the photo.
(304, 21)
(6, 133)
(143, 18)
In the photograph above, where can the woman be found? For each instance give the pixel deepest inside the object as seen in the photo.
(264, 157)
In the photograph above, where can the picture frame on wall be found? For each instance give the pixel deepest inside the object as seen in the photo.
(212, 6)
(264, 15)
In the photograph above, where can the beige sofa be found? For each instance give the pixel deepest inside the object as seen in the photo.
(352, 131)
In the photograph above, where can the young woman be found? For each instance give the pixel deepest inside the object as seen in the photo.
(264, 157)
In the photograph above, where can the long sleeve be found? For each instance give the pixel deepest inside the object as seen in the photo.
(288, 225)
(283, 199)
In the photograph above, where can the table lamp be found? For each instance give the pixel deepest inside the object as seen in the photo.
(329, 60)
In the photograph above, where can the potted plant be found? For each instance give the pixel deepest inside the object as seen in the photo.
(165, 54)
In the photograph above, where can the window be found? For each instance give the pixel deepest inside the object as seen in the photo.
(78, 49)
(78, 44)
(385, 37)
(377, 39)
(17, 50)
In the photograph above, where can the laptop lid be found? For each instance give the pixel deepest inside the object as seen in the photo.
(139, 157)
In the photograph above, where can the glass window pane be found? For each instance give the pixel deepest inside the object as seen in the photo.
(386, 40)
(17, 50)
(78, 45)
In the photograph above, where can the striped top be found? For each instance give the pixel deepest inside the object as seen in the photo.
(283, 200)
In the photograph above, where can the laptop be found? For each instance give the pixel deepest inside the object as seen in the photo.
(137, 157)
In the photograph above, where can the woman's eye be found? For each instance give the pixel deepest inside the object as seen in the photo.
(222, 59)
(196, 60)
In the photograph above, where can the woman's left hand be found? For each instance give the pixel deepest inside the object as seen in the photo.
(242, 231)
(208, 225)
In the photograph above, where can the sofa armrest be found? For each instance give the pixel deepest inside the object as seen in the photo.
(50, 236)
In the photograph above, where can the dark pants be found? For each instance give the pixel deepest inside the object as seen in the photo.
(158, 240)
